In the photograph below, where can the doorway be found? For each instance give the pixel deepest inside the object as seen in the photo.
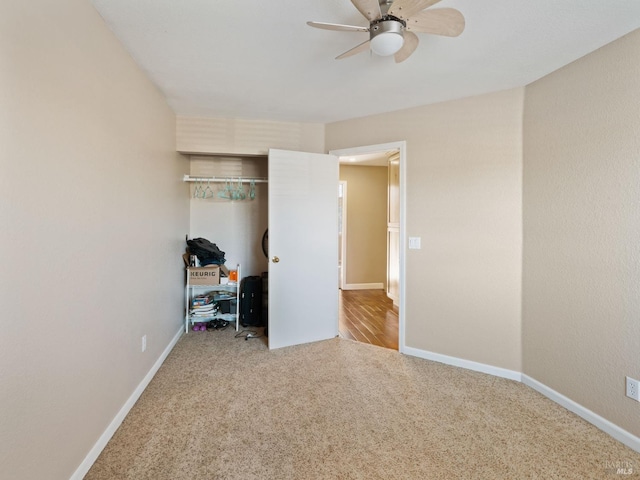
(371, 302)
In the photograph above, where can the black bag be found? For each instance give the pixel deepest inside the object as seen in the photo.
(251, 302)
(208, 253)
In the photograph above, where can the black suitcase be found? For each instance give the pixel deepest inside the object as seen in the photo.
(265, 303)
(251, 302)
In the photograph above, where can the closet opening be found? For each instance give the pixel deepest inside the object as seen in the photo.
(229, 207)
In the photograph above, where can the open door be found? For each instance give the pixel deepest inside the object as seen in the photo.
(303, 247)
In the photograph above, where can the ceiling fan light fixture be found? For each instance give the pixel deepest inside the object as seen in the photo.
(387, 44)
(387, 37)
(393, 23)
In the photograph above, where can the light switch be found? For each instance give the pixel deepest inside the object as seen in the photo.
(414, 243)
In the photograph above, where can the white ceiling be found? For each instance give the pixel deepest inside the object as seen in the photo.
(259, 60)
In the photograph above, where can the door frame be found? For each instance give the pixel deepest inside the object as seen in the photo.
(401, 146)
(343, 242)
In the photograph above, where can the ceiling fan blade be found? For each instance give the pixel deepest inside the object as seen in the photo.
(410, 44)
(337, 26)
(439, 21)
(357, 49)
(369, 8)
(406, 8)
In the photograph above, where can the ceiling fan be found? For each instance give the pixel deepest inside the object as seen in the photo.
(392, 25)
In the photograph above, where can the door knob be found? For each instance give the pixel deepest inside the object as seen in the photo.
(275, 259)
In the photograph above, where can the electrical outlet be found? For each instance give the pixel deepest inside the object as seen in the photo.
(633, 389)
(144, 343)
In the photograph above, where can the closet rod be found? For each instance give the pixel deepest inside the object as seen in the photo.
(189, 178)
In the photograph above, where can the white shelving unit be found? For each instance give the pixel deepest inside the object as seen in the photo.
(194, 290)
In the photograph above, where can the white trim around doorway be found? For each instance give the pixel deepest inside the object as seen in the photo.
(402, 148)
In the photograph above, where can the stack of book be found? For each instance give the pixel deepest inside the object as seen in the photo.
(204, 305)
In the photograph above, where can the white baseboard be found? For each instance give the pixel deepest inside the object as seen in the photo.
(363, 286)
(93, 454)
(459, 362)
(603, 424)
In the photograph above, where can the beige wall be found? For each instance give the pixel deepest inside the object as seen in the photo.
(581, 302)
(464, 194)
(366, 257)
(93, 215)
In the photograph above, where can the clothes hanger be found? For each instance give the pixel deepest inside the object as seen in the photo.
(196, 190)
(239, 191)
(226, 191)
(208, 191)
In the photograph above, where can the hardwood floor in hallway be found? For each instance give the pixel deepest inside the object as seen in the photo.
(368, 316)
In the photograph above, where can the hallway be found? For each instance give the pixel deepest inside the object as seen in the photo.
(368, 316)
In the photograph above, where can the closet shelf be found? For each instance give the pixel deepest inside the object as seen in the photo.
(189, 178)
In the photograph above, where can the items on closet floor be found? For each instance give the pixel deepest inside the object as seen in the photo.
(215, 324)
(211, 291)
(248, 334)
(210, 303)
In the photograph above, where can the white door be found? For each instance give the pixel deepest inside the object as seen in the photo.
(303, 247)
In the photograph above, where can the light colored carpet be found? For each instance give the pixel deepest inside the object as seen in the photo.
(226, 408)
